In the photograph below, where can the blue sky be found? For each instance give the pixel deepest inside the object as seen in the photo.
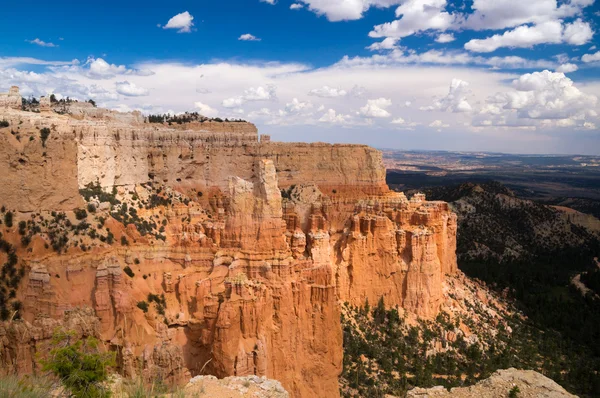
(496, 75)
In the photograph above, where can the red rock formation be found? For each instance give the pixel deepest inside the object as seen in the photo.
(247, 281)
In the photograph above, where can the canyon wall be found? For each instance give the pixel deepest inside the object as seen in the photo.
(228, 254)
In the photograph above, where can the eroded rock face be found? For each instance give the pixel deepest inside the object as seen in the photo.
(253, 263)
(529, 383)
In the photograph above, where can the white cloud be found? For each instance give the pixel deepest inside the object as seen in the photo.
(41, 43)
(206, 110)
(252, 94)
(551, 32)
(591, 57)
(398, 120)
(523, 36)
(376, 108)
(130, 89)
(455, 101)
(438, 124)
(15, 61)
(417, 16)
(388, 43)
(345, 10)
(443, 57)
(541, 99)
(577, 33)
(567, 68)
(500, 14)
(272, 2)
(248, 37)
(183, 22)
(100, 69)
(297, 106)
(331, 116)
(397, 76)
(445, 38)
(296, 6)
(327, 92)
(97, 68)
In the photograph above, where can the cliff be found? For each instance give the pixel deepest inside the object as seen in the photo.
(205, 249)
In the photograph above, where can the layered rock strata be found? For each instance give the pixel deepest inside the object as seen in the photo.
(255, 260)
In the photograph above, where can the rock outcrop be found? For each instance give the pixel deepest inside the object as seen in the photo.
(234, 252)
(525, 383)
(235, 387)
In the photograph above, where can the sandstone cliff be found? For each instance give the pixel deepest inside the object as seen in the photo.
(205, 249)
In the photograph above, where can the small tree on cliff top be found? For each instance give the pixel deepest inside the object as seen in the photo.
(81, 367)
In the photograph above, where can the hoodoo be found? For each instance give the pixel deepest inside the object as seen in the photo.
(201, 246)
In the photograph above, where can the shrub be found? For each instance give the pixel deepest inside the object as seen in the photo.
(80, 214)
(124, 241)
(128, 271)
(8, 219)
(110, 238)
(142, 305)
(514, 392)
(91, 207)
(44, 134)
(26, 387)
(80, 366)
(22, 227)
(4, 123)
(136, 261)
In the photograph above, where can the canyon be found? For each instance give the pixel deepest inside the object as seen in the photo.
(206, 248)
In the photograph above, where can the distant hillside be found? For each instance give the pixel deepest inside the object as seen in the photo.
(532, 251)
(495, 223)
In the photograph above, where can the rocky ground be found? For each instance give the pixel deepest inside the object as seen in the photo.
(234, 387)
(503, 383)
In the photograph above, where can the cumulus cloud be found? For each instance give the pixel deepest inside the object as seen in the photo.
(248, 37)
(591, 57)
(183, 22)
(271, 2)
(567, 68)
(455, 101)
(443, 57)
(252, 94)
(523, 36)
(206, 110)
(297, 106)
(445, 38)
(130, 89)
(97, 68)
(388, 43)
(417, 16)
(327, 92)
(345, 10)
(376, 108)
(41, 43)
(438, 124)
(541, 99)
(331, 116)
(500, 14)
(398, 120)
(296, 6)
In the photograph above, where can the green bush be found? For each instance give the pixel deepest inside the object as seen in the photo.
(44, 134)
(80, 214)
(142, 305)
(128, 271)
(514, 392)
(8, 219)
(79, 365)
